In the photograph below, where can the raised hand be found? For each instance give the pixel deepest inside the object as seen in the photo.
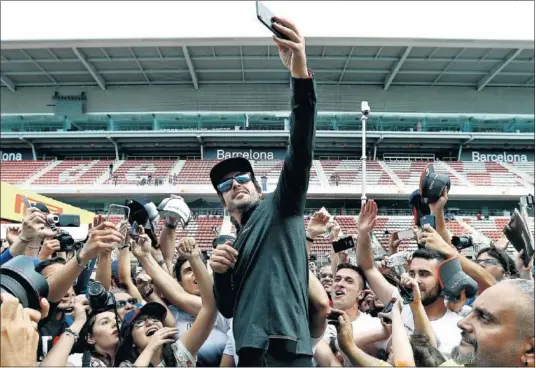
(188, 248)
(12, 234)
(334, 231)
(291, 51)
(439, 206)
(101, 238)
(34, 226)
(162, 336)
(318, 225)
(412, 284)
(50, 246)
(367, 217)
(142, 248)
(345, 334)
(19, 335)
(223, 258)
(434, 241)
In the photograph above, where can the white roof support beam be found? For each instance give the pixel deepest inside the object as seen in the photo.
(395, 70)
(90, 68)
(8, 83)
(493, 73)
(346, 64)
(190, 66)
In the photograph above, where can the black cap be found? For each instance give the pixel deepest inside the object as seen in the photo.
(224, 167)
(151, 309)
(43, 208)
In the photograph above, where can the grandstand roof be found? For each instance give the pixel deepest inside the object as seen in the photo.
(198, 62)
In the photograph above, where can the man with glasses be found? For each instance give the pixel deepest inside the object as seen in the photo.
(261, 280)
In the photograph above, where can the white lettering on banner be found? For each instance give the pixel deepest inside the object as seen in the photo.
(10, 156)
(142, 170)
(500, 157)
(250, 155)
(73, 173)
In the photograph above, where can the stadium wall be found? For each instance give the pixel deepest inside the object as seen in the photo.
(492, 100)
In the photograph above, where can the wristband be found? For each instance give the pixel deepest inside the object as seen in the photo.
(124, 246)
(170, 226)
(309, 239)
(70, 332)
(22, 239)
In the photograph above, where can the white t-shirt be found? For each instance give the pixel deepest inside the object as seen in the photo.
(448, 335)
(210, 353)
(362, 325)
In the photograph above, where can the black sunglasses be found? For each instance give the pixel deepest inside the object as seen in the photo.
(123, 303)
(227, 184)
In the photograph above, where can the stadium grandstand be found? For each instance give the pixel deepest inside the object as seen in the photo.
(92, 122)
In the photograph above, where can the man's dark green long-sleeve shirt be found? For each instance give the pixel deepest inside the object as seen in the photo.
(267, 291)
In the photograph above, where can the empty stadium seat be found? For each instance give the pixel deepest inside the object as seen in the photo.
(409, 172)
(350, 172)
(525, 167)
(486, 173)
(74, 172)
(196, 171)
(17, 172)
(132, 171)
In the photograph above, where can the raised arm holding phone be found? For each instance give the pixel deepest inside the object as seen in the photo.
(262, 278)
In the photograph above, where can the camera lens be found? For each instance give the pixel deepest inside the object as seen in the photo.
(18, 278)
(97, 296)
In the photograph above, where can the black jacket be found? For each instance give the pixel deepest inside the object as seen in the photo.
(267, 291)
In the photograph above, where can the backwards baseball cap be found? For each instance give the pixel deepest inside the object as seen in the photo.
(238, 164)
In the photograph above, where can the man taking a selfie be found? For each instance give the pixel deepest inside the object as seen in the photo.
(261, 280)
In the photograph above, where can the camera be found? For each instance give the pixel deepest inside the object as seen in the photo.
(365, 108)
(432, 185)
(55, 221)
(462, 242)
(100, 300)
(19, 278)
(66, 242)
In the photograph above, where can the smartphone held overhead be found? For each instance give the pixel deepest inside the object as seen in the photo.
(266, 17)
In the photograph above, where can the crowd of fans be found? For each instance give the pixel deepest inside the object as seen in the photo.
(257, 300)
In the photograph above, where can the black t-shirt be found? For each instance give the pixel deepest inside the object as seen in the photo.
(50, 331)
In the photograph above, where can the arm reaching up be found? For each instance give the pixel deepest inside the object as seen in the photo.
(196, 336)
(365, 225)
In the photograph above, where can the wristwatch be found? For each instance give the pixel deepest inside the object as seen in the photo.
(79, 261)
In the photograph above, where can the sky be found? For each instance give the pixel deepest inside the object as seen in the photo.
(53, 20)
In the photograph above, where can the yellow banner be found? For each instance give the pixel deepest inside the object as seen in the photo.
(13, 209)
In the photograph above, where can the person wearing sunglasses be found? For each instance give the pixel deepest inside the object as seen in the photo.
(261, 280)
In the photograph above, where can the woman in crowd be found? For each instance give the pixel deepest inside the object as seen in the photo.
(100, 338)
(144, 339)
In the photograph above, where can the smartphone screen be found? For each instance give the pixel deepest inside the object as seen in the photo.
(134, 231)
(430, 220)
(266, 17)
(406, 234)
(117, 213)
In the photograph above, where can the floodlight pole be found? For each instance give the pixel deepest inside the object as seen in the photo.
(365, 111)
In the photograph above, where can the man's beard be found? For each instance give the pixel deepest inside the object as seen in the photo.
(431, 299)
(465, 359)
